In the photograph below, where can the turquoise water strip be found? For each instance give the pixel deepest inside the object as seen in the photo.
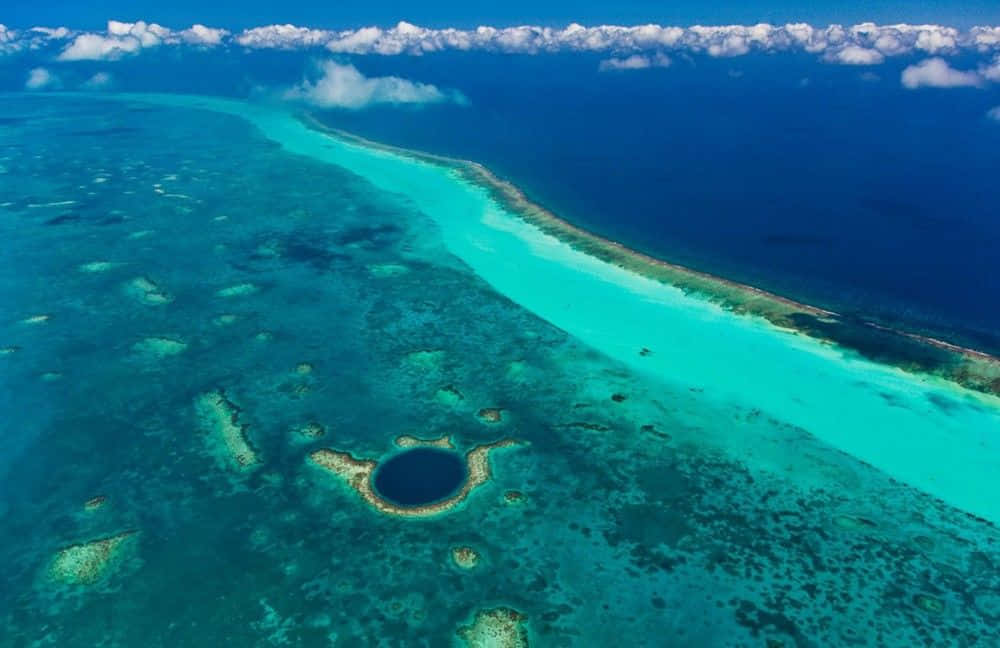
(928, 433)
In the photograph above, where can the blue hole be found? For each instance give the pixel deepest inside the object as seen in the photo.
(420, 476)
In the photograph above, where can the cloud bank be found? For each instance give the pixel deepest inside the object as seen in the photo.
(866, 43)
(343, 86)
(862, 44)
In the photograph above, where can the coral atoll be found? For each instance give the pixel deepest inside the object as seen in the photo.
(357, 473)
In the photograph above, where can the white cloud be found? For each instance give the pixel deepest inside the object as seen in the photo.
(7, 37)
(93, 47)
(202, 35)
(635, 62)
(99, 81)
(991, 71)
(985, 38)
(39, 78)
(994, 113)
(12, 40)
(856, 55)
(122, 38)
(54, 33)
(343, 86)
(937, 40)
(936, 73)
(283, 37)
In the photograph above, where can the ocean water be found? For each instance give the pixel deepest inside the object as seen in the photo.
(737, 485)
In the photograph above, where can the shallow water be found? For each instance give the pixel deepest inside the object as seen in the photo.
(696, 508)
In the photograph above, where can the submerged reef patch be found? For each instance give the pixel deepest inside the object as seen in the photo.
(358, 474)
(159, 347)
(384, 270)
(449, 395)
(225, 319)
(465, 557)
(95, 503)
(85, 563)
(425, 359)
(513, 497)
(95, 266)
(147, 291)
(220, 419)
(309, 431)
(500, 627)
(239, 290)
(490, 415)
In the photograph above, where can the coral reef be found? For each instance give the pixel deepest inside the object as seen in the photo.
(219, 417)
(500, 627)
(239, 290)
(310, 431)
(425, 359)
(407, 441)
(85, 563)
(95, 266)
(490, 415)
(465, 557)
(513, 497)
(449, 395)
(94, 503)
(147, 291)
(159, 347)
(382, 270)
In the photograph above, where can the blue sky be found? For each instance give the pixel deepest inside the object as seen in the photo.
(440, 13)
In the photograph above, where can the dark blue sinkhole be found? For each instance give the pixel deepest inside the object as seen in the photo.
(420, 476)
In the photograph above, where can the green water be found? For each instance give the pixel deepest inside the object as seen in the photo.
(746, 485)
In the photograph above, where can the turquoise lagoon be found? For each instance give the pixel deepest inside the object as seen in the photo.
(690, 476)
